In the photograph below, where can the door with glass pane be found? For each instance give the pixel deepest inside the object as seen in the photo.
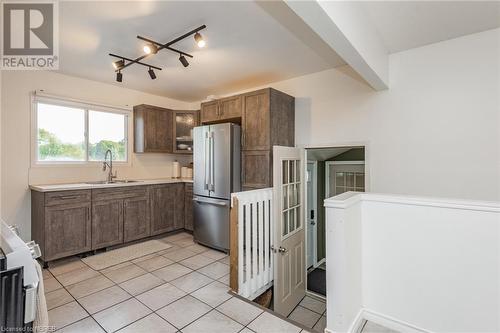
(343, 177)
(289, 235)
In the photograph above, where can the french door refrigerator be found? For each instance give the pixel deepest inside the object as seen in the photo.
(216, 157)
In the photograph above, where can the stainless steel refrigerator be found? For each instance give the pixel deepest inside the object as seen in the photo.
(216, 157)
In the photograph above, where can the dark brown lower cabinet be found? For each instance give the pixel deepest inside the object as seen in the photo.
(179, 206)
(136, 219)
(256, 169)
(162, 208)
(66, 223)
(188, 207)
(67, 230)
(107, 223)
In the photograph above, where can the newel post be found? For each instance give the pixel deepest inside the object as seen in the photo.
(233, 246)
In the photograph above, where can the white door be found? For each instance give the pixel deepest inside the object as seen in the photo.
(311, 214)
(289, 235)
(344, 176)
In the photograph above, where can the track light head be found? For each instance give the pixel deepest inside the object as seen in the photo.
(150, 48)
(183, 61)
(199, 40)
(119, 77)
(152, 73)
(119, 64)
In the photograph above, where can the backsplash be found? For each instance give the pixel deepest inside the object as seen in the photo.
(143, 166)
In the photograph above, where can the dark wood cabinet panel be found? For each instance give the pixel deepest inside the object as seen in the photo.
(256, 169)
(188, 207)
(256, 121)
(67, 230)
(107, 223)
(67, 197)
(136, 219)
(153, 129)
(230, 107)
(162, 209)
(282, 114)
(179, 206)
(209, 112)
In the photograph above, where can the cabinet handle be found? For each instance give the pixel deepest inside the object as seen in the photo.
(68, 197)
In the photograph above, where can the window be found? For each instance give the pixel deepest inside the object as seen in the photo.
(74, 133)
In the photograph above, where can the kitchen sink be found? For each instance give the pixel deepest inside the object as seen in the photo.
(121, 181)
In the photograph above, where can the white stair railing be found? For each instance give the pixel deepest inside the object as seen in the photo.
(251, 240)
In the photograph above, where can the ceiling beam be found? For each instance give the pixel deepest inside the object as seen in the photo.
(346, 29)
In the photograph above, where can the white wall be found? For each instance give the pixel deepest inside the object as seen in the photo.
(430, 264)
(16, 169)
(435, 132)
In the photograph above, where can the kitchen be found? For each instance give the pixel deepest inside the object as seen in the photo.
(122, 158)
(94, 215)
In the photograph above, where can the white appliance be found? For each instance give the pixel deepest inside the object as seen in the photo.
(19, 279)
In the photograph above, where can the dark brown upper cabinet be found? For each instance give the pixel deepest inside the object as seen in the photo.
(153, 129)
(222, 110)
(184, 122)
(209, 112)
(268, 120)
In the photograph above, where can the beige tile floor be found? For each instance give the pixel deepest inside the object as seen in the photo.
(182, 289)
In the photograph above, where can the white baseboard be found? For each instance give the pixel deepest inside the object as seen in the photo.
(380, 319)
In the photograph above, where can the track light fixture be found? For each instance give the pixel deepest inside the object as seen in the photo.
(119, 64)
(152, 73)
(183, 60)
(199, 40)
(150, 48)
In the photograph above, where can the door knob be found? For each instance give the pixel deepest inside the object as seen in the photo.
(282, 250)
(273, 249)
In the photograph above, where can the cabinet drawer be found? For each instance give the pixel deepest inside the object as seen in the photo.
(120, 193)
(67, 197)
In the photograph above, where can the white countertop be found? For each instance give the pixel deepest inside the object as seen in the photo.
(85, 186)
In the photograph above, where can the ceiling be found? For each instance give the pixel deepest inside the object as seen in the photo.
(249, 43)
(404, 25)
(323, 154)
(246, 46)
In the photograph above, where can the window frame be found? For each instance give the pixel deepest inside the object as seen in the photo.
(46, 99)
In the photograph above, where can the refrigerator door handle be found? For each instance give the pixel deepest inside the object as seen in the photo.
(217, 203)
(212, 161)
(207, 165)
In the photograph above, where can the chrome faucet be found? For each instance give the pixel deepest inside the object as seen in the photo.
(109, 166)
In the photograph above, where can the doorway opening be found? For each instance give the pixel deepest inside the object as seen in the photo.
(330, 171)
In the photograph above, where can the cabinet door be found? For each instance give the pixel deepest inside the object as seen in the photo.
(153, 129)
(149, 128)
(162, 208)
(164, 131)
(188, 207)
(184, 122)
(209, 112)
(67, 230)
(256, 120)
(256, 169)
(107, 223)
(179, 206)
(230, 107)
(136, 219)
